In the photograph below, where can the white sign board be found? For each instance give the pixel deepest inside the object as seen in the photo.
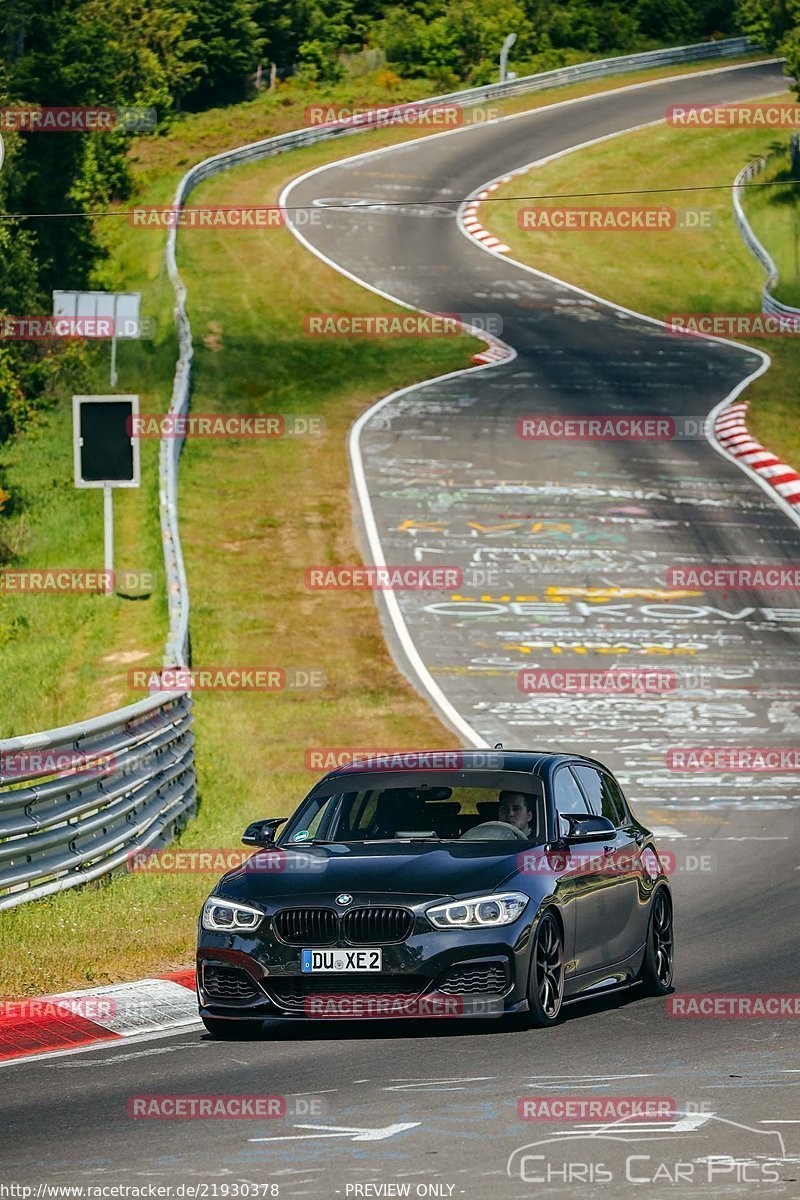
(120, 307)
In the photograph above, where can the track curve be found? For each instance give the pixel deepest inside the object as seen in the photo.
(449, 482)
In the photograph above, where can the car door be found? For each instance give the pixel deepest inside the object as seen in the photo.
(623, 909)
(586, 879)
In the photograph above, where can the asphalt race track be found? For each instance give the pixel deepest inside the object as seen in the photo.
(450, 483)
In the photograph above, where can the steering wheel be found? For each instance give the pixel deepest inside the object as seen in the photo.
(493, 831)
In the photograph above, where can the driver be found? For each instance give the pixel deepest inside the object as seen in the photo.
(517, 808)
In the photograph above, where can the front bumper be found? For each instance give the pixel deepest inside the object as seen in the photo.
(433, 973)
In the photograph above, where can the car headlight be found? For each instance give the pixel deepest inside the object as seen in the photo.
(220, 915)
(477, 911)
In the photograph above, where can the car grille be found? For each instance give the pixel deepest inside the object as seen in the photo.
(365, 926)
(307, 926)
(229, 984)
(372, 926)
(293, 993)
(472, 978)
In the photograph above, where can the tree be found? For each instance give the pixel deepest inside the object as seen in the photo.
(454, 44)
(310, 34)
(226, 45)
(790, 46)
(765, 21)
(402, 36)
(667, 21)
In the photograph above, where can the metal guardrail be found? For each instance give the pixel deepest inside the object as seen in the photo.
(769, 304)
(84, 797)
(131, 782)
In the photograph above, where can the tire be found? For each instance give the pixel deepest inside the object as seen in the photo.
(656, 971)
(221, 1027)
(546, 978)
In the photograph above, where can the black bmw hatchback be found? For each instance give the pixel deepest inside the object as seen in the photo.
(439, 884)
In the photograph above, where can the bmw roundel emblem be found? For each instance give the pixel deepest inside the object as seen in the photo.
(344, 898)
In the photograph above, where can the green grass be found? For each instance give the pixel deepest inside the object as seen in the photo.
(666, 271)
(253, 515)
(65, 655)
(774, 215)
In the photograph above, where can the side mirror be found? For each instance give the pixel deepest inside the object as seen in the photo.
(262, 833)
(589, 829)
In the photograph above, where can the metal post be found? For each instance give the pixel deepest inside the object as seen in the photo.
(114, 355)
(108, 534)
(507, 44)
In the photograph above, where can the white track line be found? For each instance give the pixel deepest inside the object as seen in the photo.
(108, 1043)
(429, 685)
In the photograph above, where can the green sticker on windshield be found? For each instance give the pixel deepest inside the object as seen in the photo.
(300, 836)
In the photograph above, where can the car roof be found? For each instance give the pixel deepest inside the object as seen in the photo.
(538, 762)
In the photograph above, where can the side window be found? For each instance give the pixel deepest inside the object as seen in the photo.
(569, 798)
(604, 796)
(308, 824)
(316, 820)
(613, 791)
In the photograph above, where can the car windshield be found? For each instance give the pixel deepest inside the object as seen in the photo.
(428, 813)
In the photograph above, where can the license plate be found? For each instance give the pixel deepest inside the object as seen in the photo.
(340, 960)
